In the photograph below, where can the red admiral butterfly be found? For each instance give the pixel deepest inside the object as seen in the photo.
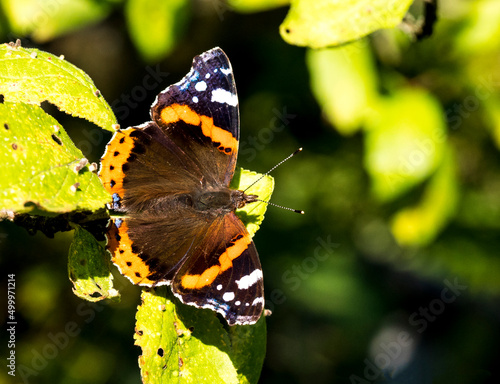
(170, 178)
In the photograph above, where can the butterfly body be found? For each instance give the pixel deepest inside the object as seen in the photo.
(170, 178)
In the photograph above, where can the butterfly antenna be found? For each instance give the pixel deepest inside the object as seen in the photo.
(272, 169)
(268, 172)
(282, 207)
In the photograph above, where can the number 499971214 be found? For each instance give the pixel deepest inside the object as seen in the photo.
(11, 297)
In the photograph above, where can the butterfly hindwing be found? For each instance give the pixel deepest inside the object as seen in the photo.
(226, 275)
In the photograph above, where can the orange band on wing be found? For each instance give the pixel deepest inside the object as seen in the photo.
(129, 263)
(225, 262)
(117, 153)
(175, 112)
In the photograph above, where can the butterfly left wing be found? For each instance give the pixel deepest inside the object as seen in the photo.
(225, 275)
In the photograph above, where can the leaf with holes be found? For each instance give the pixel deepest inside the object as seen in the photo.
(32, 76)
(41, 165)
(88, 267)
(189, 345)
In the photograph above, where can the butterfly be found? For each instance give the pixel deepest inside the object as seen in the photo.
(169, 178)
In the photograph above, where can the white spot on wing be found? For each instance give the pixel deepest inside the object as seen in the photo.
(155, 102)
(143, 125)
(220, 95)
(242, 320)
(195, 99)
(228, 296)
(207, 75)
(200, 86)
(226, 71)
(247, 281)
(258, 300)
(219, 287)
(237, 302)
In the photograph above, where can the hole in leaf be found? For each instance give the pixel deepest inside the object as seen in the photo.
(56, 139)
(160, 352)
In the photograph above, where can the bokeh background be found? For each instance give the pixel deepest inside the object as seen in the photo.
(393, 273)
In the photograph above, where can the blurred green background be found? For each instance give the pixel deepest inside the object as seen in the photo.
(393, 273)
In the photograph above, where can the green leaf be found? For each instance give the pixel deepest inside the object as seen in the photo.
(189, 345)
(404, 142)
(324, 23)
(248, 346)
(45, 20)
(32, 76)
(40, 164)
(88, 267)
(419, 225)
(155, 26)
(252, 214)
(481, 32)
(248, 6)
(344, 83)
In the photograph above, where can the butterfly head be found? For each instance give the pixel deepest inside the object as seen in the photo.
(240, 199)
